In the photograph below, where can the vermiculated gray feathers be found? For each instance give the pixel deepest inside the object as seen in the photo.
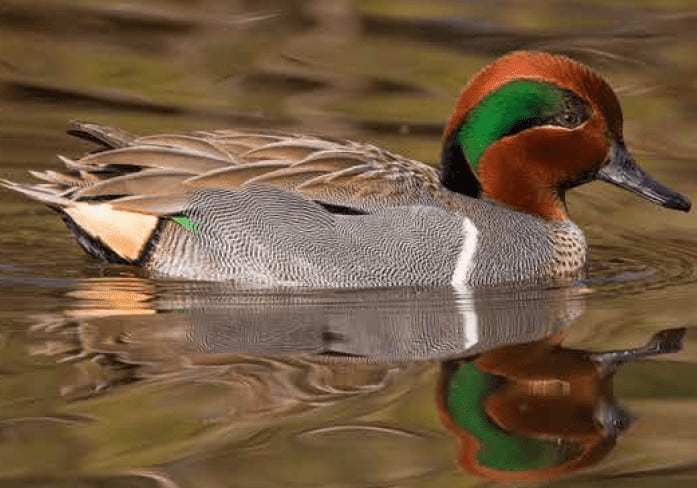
(270, 237)
(265, 235)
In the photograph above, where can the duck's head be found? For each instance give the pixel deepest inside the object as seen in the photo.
(532, 125)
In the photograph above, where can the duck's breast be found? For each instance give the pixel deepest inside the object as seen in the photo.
(514, 247)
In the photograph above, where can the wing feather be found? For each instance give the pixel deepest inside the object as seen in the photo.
(189, 143)
(172, 158)
(236, 176)
(159, 205)
(154, 174)
(147, 182)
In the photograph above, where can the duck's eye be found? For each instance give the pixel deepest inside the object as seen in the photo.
(569, 119)
(574, 111)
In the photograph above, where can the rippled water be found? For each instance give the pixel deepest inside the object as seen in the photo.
(108, 377)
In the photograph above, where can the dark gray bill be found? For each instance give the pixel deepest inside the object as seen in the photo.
(623, 171)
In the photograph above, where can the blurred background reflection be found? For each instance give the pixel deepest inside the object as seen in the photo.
(110, 378)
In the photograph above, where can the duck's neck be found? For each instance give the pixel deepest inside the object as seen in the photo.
(503, 176)
(456, 173)
(509, 179)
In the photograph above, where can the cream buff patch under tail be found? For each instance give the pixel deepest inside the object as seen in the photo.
(125, 233)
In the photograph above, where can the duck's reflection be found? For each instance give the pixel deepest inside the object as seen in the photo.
(384, 325)
(520, 405)
(537, 410)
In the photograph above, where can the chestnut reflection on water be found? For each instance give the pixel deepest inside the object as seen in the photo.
(538, 410)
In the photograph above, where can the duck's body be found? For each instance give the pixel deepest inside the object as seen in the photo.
(290, 240)
(270, 208)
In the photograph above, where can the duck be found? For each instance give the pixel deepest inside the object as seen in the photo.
(267, 208)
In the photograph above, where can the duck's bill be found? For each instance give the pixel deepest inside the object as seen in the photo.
(624, 172)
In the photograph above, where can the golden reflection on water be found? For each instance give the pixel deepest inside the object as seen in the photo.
(110, 378)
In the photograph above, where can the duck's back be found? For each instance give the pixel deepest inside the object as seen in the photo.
(337, 173)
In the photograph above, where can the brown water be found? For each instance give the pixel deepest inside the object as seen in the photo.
(110, 378)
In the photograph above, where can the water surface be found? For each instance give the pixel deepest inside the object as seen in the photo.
(108, 377)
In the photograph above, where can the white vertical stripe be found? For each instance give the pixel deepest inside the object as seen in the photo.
(470, 235)
(460, 278)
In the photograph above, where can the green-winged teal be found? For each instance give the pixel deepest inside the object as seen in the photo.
(278, 209)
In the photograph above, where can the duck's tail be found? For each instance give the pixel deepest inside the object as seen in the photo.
(103, 231)
(111, 234)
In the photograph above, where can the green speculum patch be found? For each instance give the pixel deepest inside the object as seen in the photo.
(185, 222)
(502, 111)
